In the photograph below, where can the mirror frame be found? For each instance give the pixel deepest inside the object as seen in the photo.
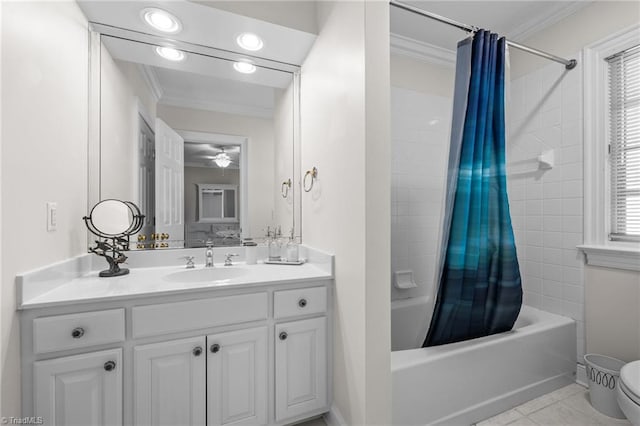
(94, 142)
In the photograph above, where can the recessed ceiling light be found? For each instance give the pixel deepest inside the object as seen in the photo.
(161, 20)
(249, 41)
(170, 53)
(244, 67)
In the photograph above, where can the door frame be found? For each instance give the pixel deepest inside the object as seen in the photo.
(222, 139)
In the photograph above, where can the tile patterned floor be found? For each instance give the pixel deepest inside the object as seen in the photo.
(567, 406)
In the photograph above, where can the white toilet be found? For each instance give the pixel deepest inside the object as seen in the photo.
(628, 390)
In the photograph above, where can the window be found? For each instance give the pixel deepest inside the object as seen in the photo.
(611, 125)
(624, 144)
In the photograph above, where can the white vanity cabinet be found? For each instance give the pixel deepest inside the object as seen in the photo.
(256, 355)
(169, 382)
(79, 390)
(301, 367)
(237, 376)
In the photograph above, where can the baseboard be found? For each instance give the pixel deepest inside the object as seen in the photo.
(505, 402)
(581, 375)
(334, 418)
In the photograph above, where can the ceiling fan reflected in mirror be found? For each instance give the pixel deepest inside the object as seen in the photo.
(222, 159)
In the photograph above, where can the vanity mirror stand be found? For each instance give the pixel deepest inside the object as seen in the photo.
(113, 221)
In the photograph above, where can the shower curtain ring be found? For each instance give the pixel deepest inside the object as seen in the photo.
(314, 174)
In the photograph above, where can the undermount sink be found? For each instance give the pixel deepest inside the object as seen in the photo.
(205, 275)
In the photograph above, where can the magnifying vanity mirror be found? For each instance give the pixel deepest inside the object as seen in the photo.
(197, 131)
(113, 222)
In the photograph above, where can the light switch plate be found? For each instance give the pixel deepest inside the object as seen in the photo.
(52, 216)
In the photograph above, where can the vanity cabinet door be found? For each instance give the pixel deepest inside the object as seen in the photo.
(79, 390)
(301, 367)
(169, 382)
(237, 377)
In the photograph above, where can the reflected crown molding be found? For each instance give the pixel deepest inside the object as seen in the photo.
(151, 80)
(217, 106)
(422, 51)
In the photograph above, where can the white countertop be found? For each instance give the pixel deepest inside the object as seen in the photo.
(67, 283)
(152, 282)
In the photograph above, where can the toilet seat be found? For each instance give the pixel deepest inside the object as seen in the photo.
(628, 392)
(630, 380)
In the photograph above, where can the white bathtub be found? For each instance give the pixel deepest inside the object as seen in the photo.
(463, 383)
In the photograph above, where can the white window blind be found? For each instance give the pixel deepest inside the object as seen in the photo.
(624, 148)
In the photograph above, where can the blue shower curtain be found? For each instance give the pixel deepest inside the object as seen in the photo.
(479, 291)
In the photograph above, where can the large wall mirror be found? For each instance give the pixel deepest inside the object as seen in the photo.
(200, 133)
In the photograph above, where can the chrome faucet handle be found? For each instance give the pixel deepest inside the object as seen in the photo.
(227, 261)
(209, 244)
(190, 264)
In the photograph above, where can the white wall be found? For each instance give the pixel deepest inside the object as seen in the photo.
(568, 36)
(261, 153)
(420, 127)
(421, 76)
(421, 98)
(546, 205)
(345, 129)
(564, 218)
(612, 315)
(122, 91)
(44, 149)
(118, 132)
(283, 160)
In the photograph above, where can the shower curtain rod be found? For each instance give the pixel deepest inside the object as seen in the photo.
(568, 63)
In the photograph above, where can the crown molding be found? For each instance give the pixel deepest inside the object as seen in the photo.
(217, 106)
(422, 51)
(151, 80)
(553, 13)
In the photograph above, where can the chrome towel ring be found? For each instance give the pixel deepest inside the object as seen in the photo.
(284, 189)
(313, 173)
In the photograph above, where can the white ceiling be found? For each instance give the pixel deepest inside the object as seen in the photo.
(216, 94)
(516, 20)
(206, 26)
(204, 82)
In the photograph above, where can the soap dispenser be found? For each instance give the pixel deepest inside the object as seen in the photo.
(274, 246)
(292, 249)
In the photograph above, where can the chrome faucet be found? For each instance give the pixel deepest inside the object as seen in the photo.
(208, 255)
(227, 261)
(190, 264)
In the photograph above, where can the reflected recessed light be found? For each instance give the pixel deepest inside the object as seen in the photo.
(170, 53)
(249, 41)
(244, 67)
(161, 20)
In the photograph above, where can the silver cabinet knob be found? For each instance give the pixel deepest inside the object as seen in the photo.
(215, 348)
(302, 303)
(197, 351)
(110, 365)
(283, 335)
(77, 332)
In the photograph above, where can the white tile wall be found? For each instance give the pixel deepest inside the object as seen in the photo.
(420, 125)
(544, 112)
(546, 205)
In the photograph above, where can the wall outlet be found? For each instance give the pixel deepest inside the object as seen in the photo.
(52, 216)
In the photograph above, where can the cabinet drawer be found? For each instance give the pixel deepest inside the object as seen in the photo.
(301, 301)
(166, 318)
(62, 332)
